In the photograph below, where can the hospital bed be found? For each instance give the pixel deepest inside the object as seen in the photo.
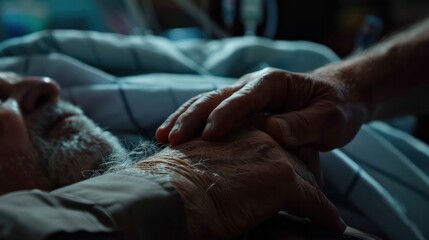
(130, 84)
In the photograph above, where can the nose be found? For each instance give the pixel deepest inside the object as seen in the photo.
(36, 92)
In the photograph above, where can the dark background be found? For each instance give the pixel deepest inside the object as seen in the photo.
(334, 23)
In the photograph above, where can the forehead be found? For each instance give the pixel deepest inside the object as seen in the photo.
(9, 77)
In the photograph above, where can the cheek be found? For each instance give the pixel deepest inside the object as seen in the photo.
(21, 172)
(13, 132)
(79, 146)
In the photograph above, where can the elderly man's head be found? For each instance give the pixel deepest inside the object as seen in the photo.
(44, 142)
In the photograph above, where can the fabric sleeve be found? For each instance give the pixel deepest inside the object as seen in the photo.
(111, 206)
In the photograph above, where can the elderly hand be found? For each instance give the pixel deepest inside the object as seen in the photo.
(232, 185)
(315, 109)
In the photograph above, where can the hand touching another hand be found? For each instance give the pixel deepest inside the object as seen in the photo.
(315, 109)
(322, 109)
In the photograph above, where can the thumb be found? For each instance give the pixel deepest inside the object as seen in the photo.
(316, 126)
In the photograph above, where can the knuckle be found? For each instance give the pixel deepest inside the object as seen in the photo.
(334, 127)
(336, 116)
(206, 100)
(202, 102)
(247, 90)
(191, 109)
(271, 70)
(195, 98)
(219, 94)
(216, 94)
(301, 125)
(269, 74)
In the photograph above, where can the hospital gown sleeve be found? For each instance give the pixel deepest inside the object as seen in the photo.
(111, 206)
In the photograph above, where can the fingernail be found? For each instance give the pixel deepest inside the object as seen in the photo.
(12, 105)
(209, 127)
(176, 127)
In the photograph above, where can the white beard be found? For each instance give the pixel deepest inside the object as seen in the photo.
(66, 158)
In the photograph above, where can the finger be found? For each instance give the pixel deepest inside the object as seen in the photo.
(313, 204)
(257, 96)
(163, 131)
(319, 125)
(194, 118)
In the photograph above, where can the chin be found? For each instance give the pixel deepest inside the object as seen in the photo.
(75, 148)
(79, 155)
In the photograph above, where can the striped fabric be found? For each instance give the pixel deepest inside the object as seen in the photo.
(133, 83)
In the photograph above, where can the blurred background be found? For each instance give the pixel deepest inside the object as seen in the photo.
(339, 24)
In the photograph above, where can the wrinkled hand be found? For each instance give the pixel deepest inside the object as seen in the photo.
(232, 185)
(295, 109)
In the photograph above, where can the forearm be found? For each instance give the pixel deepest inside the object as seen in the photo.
(116, 206)
(224, 196)
(391, 77)
(212, 208)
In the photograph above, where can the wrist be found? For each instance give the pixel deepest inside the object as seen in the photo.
(356, 94)
(192, 185)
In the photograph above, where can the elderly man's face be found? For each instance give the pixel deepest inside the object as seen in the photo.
(45, 143)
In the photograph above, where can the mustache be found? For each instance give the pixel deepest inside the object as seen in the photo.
(39, 123)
